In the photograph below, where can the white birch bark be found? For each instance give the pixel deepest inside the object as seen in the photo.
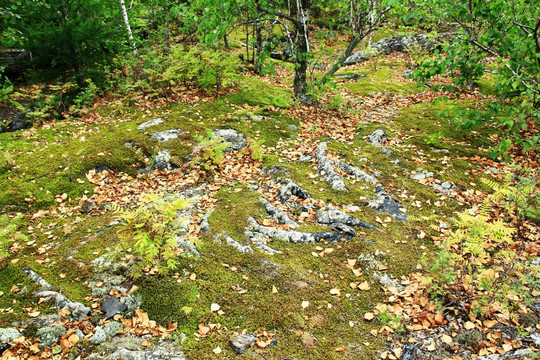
(126, 21)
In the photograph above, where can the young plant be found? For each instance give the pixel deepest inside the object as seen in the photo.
(154, 226)
(210, 152)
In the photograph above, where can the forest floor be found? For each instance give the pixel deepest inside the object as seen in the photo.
(361, 296)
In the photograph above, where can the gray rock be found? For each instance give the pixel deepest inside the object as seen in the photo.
(87, 206)
(378, 137)
(112, 328)
(126, 354)
(407, 73)
(32, 275)
(394, 43)
(50, 334)
(351, 170)
(242, 248)
(241, 342)
(237, 139)
(205, 226)
(289, 189)
(166, 135)
(146, 125)
(161, 160)
(279, 215)
(99, 336)
(350, 76)
(326, 170)
(188, 246)
(9, 334)
(334, 216)
(493, 170)
(77, 310)
(305, 157)
(112, 306)
(383, 202)
(343, 229)
(292, 128)
(295, 236)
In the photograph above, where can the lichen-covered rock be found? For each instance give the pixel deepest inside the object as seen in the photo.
(383, 202)
(99, 336)
(237, 139)
(230, 241)
(378, 137)
(325, 169)
(278, 215)
(50, 334)
(9, 334)
(289, 189)
(146, 125)
(162, 160)
(241, 342)
(166, 135)
(295, 236)
(77, 310)
(351, 170)
(112, 328)
(334, 216)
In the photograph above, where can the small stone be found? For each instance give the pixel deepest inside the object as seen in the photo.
(99, 336)
(87, 206)
(241, 342)
(112, 306)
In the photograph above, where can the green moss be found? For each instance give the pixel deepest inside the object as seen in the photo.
(488, 84)
(167, 301)
(255, 92)
(380, 80)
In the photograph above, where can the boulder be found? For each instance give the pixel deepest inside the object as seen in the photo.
(161, 160)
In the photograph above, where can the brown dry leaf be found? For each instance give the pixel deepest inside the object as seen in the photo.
(203, 329)
(364, 286)
(469, 325)
(446, 339)
(145, 343)
(369, 316)
(335, 291)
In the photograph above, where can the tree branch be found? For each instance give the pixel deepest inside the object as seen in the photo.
(279, 14)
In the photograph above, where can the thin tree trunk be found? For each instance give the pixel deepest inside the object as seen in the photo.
(341, 60)
(128, 27)
(302, 52)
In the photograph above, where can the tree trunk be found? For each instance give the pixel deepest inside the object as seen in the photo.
(302, 51)
(341, 60)
(128, 27)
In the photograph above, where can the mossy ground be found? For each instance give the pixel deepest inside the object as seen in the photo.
(48, 162)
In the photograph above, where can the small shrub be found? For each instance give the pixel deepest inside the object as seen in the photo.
(210, 152)
(154, 225)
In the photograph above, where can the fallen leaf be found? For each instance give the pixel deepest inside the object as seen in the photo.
(305, 304)
(214, 307)
(369, 316)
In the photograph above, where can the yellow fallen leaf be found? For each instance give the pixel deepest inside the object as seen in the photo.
(274, 289)
(446, 339)
(369, 316)
(305, 304)
(364, 286)
(469, 325)
(335, 291)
